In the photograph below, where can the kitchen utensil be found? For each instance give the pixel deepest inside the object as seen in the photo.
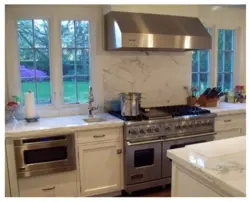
(130, 103)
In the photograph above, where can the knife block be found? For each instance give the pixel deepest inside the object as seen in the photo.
(212, 102)
(191, 101)
(204, 102)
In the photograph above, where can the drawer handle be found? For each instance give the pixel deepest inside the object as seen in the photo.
(47, 189)
(227, 120)
(118, 151)
(96, 136)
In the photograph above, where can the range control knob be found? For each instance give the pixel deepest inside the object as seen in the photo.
(133, 132)
(157, 130)
(149, 130)
(185, 125)
(178, 126)
(142, 131)
(198, 123)
(167, 128)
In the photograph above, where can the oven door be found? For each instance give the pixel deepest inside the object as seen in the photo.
(39, 158)
(179, 142)
(142, 161)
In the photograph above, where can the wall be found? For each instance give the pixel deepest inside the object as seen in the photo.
(160, 76)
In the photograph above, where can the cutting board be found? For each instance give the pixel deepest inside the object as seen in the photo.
(220, 147)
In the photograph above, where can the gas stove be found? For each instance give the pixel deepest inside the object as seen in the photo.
(148, 136)
(167, 122)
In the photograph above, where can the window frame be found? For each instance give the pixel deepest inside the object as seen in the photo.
(224, 51)
(33, 48)
(198, 73)
(57, 106)
(75, 49)
(214, 53)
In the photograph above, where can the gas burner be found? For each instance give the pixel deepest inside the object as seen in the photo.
(183, 110)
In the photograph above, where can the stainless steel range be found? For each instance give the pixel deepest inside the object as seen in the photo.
(148, 136)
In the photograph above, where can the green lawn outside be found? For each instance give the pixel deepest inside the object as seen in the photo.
(44, 91)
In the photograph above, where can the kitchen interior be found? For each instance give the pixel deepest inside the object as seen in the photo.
(125, 100)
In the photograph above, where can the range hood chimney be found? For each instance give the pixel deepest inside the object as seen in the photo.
(141, 31)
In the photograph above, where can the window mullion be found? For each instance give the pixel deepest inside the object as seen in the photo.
(55, 63)
(198, 75)
(223, 59)
(213, 57)
(34, 60)
(77, 98)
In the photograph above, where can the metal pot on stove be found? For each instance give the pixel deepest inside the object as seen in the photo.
(130, 103)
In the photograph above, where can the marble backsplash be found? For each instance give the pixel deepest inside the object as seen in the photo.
(161, 77)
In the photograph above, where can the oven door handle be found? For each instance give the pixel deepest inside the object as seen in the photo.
(144, 142)
(190, 136)
(41, 146)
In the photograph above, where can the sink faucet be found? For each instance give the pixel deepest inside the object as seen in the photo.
(91, 100)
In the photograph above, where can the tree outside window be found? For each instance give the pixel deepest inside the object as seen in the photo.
(33, 39)
(225, 59)
(201, 69)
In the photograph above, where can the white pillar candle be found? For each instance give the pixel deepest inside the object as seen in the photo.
(30, 108)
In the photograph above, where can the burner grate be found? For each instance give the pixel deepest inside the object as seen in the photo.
(140, 117)
(155, 113)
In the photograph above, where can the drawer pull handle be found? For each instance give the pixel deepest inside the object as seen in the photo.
(96, 136)
(47, 189)
(227, 120)
(119, 151)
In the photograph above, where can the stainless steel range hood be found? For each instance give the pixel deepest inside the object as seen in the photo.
(140, 31)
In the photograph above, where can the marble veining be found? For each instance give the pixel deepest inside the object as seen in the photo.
(230, 166)
(160, 77)
(227, 172)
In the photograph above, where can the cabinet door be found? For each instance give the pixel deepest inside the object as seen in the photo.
(100, 168)
(228, 133)
(7, 183)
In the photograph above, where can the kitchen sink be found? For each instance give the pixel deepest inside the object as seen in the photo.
(94, 119)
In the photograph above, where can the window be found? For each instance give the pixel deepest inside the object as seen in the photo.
(75, 60)
(34, 59)
(225, 58)
(201, 68)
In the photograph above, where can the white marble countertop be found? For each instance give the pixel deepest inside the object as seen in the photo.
(228, 108)
(65, 124)
(68, 124)
(221, 162)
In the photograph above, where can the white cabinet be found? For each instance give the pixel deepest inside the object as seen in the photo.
(228, 133)
(100, 168)
(230, 126)
(7, 182)
(53, 185)
(100, 161)
(186, 184)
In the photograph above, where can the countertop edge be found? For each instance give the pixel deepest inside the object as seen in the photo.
(219, 183)
(64, 130)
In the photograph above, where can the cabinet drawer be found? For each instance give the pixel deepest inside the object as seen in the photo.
(232, 121)
(228, 133)
(99, 135)
(55, 185)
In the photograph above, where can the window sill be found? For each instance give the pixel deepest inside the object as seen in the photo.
(52, 111)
